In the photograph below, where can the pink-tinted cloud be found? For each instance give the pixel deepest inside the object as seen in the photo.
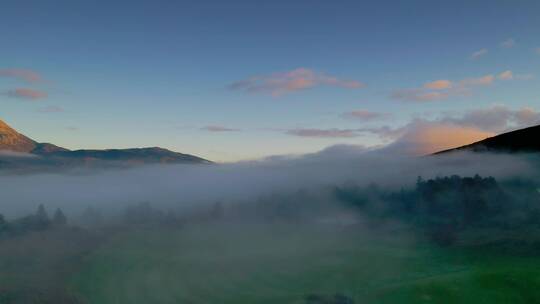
(324, 133)
(214, 128)
(438, 84)
(22, 74)
(364, 115)
(479, 53)
(26, 93)
(51, 109)
(278, 84)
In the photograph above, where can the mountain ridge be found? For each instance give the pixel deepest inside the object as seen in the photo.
(47, 154)
(518, 141)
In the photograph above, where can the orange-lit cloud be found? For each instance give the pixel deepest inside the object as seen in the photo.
(25, 75)
(444, 89)
(424, 137)
(438, 84)
(278, 84)
(26, 93)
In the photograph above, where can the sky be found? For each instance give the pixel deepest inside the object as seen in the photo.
(236, 80)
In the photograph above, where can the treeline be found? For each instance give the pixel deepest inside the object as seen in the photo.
(444, 206)
(38, 221)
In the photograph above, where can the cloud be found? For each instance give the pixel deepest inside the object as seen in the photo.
(419, 95)
(213, 128)
(496, 119)
(22, 74)
(278, 84)
(438, 84)
(422, 137)
(444, 89)
(506, 75)
(51, 109)
(480, 81)
(479, 53)
(508, 43)
(324, 133)
(364, 115)
(26, 93)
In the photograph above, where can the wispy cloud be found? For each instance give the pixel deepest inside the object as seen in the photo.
(278, 84)
(438, 84)
(26, 93)
(419, 95)
(480, 81)
(444, 89)
(496, 118)
(22, 74)
(479, 53)
(214, 128)
(364, 115)
(508, 43)
(51, 109)
(506, 75)
(324, 133)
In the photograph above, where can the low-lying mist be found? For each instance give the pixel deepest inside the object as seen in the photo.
(179, 186)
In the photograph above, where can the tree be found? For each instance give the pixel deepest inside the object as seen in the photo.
(3, 224)
(59, 218)
(41, 214)
(41, 218)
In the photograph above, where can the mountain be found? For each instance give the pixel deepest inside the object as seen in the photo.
(12, 140)
(18, 151)
(519, 141)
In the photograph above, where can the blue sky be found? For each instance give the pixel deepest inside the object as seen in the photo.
(231, 80)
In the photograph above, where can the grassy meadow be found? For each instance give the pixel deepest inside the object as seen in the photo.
(258, 263)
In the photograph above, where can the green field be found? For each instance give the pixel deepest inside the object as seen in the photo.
(256, 263)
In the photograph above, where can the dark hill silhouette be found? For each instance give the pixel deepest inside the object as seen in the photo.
(520, 141)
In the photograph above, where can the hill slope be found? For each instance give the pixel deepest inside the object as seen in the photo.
(21, 152)
(520, 141)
